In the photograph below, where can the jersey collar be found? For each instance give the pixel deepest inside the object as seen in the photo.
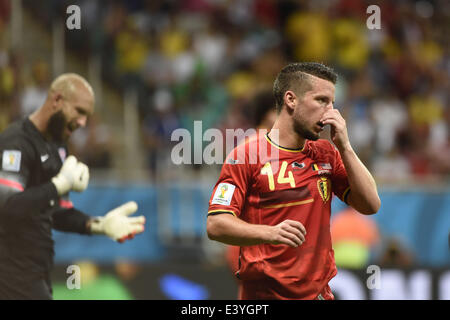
(283, 148)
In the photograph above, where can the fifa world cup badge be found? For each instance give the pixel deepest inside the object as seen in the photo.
(223, 194)
(11, 160)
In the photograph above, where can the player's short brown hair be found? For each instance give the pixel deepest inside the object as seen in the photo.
(295, 77)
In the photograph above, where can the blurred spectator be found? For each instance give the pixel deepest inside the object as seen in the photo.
(310, 28)
(263, 110)
(353, 236)
(132, 48)
(157, 70)
(210, 46)
(93, 144)
(5, 12)
(439, 146)
(350, 44)
(35, 92)
(389, 116)
(158, 126)
(392, 167)
(10, 68)
(395, 254)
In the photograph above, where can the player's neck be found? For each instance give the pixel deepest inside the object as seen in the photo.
(40, 121)
(286, 137)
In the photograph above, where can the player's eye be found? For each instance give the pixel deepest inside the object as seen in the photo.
(81, 111)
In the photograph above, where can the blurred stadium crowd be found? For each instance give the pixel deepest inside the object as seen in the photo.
(206, 59)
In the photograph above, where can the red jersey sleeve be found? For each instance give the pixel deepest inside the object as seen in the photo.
(339, 178)
(230, 191)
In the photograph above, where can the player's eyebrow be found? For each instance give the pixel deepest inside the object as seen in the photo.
(321, 96)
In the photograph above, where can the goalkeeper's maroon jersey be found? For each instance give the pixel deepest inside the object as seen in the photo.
(278, 184)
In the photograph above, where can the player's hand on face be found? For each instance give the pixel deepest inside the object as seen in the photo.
(289, 232)
(338, 126)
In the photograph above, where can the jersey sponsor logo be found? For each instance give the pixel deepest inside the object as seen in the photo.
(44, 158)
(223, 194)
(324, 187)
(321, 172)
(11, 160)
(295, 165)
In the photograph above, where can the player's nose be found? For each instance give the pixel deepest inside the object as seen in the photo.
(82, 121)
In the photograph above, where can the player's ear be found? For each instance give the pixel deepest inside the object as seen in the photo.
(290, 99)
(57, 100)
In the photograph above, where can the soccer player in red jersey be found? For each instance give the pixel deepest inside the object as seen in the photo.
(273, 196)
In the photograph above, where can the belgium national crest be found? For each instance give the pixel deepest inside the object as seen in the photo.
(324, 186)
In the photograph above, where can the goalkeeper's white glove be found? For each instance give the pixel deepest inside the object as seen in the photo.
(117, 225)
(74, 175)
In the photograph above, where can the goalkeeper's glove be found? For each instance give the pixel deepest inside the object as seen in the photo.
(74, 175)
(117, 225)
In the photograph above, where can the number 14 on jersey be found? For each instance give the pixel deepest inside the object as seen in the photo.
(282, 177)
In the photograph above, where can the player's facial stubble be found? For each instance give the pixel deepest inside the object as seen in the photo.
(58, 125)
(301, 125)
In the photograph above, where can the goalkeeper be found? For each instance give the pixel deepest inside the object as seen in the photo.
(36, 176)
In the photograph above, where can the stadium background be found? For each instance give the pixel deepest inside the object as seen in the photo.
(159, 65)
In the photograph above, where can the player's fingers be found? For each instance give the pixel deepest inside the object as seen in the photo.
(132, 231)
(332, 113)
(287, 241)
(334, 123)
(71, 160)
(127, 237)
(136, 220)
(128, 208)
(291, 237)
(297, 232)
(296, 224)
(136, 228)
(84, 176)
(334, 120)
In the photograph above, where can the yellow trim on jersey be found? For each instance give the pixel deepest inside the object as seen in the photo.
(285, 149)
(283, 205)
(224, 211)
(345, 194)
